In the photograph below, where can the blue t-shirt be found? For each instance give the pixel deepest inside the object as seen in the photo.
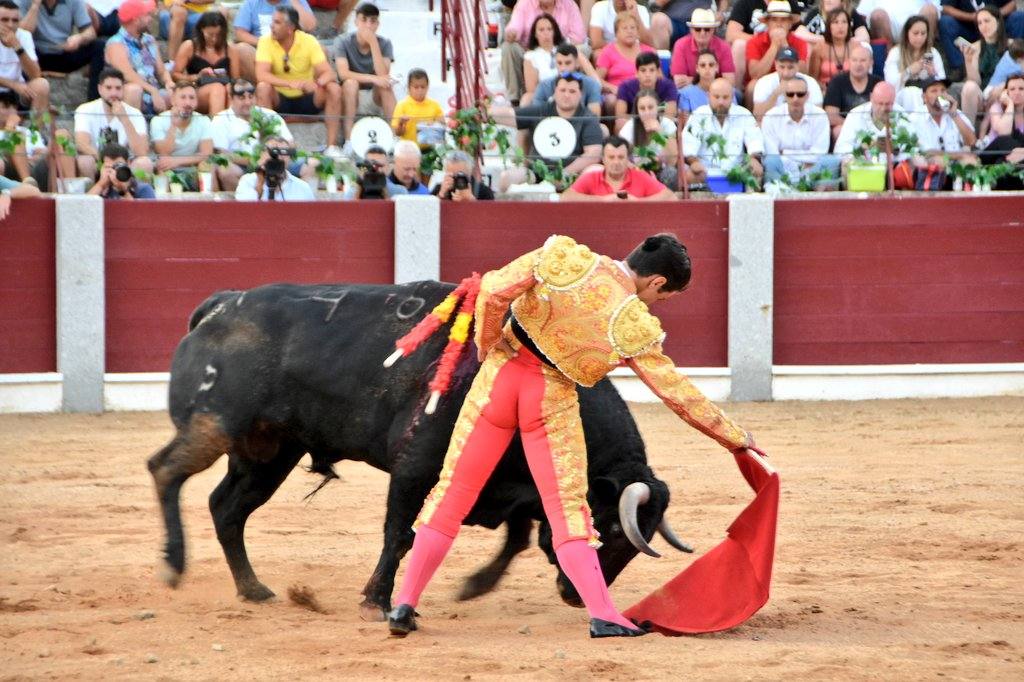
(546, 89)
(254, 15)
(692, 96)
(1005, 67)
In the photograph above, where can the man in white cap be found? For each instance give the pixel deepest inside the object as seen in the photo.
(770, 89)
(701, 36)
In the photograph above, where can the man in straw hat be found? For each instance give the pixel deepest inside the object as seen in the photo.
(701, 36)
(744, 23)
(680, 13)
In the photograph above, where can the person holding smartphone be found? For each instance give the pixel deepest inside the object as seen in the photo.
(209, 62)
(618, 180)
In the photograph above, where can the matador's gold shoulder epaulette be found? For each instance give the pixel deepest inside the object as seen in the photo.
(632, 329)
(563, 263)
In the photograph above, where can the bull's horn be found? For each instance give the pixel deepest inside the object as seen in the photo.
(666, 532)
(393, 358)
(632, 497)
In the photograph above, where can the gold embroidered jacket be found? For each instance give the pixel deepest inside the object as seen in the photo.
(582, 312)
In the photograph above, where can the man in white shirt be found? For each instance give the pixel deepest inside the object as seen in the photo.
(655, 31)
(870, 117)
(770, 89)
(109, 120)
(19, 65)
(181, 136)
(942, 129)
(796, 138)
(717, 133)
(271, 181)
(233, 133)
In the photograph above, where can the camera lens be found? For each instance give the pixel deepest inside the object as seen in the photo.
(122, 172)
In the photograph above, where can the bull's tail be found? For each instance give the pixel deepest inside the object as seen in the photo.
(207, 306)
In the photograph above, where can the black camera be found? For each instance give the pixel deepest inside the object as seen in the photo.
(372, 181)
(461, 181)
(275, 169)
(122, 173)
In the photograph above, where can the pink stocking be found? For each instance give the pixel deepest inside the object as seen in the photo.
(428, 551)
(579, 561)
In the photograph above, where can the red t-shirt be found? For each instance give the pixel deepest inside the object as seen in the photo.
(637, 183)
(758, 46)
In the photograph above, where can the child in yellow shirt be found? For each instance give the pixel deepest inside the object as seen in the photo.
(416, 107)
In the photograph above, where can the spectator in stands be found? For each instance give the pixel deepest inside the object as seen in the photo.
(745, 22)
(1007, 145)
(959, 20)
(133, 52)
(648, 77)
(261, 186)
(701, 37)
(252, 22)
(108, 120)
(696, 94)
(24, 149)
(127, 186)
(617, 61)
(640, 130)
(654, 30)
(567, 61)
(1011, 63)
(416, 108)
(9, 189)
(179, 19)
(519, 33)
(981, 59)
(943, 131)
(539, 61)
(872, 117)
(208, 62)
(850, 89)
(234, 135)
(770, 89)
(340, 15)
(364, 64)
(831, 55)
(406, 167)
(617, 179)
(797, 137)
(815, 22)
(65, 40)
(680, 14)
(889, 18)
(19, 66)
(294, 77)
(376, 156)
(566, 103)
(763, 48)
(915, 58)
(181, 136)
(717, 134)
(458, 183)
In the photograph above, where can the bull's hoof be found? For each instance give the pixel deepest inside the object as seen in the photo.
(402, 620)
(257, 592)
(168, 575)
(477, 585)
(372, 613)
(569, 595)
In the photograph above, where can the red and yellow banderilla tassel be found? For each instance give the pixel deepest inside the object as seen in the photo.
(466, 292)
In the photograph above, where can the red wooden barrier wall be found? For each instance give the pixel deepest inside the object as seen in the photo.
(480, 237)
(906, 280)
(28, 288)
(164, 258)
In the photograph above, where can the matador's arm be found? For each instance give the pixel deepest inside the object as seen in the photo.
(498, 288)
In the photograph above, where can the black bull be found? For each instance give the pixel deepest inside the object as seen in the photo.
(270, 374)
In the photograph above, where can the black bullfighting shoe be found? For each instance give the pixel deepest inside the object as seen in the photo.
(402, 620)
(603, 628)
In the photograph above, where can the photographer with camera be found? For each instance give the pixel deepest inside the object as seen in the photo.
(117, 181)
(458, 183)
(374, 179)
(271, 181)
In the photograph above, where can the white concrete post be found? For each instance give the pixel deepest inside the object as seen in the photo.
(81, 304)
(417, 238)
(751, 254)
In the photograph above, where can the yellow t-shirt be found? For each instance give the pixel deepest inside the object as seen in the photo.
(418, 112)
(192, 7)
(305, 54)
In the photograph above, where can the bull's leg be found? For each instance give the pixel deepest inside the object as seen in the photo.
(198, 445)
(247, 485)
(487, 578)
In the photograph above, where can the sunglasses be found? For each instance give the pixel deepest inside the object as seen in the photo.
(796, 94)
(287, 68)
(571, 74)
(698, 29)
(243, 92)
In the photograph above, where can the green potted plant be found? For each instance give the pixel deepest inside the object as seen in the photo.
(980, 178)
(716, 145)
(176, 182)
(868, 172)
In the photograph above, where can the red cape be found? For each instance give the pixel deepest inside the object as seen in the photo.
(730, 583)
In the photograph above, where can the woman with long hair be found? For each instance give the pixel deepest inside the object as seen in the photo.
(696, 94)
(981, 58)
(539, 60)
(815, 21)
(642, 125)
(915, 58)
(832, 55)
(208, 62)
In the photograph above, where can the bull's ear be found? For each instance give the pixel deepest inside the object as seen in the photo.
(606, 490)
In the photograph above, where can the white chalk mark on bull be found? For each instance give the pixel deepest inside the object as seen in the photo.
(334, 301)
(211, 376)
(409, 307)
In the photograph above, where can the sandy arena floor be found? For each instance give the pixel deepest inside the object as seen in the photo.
(900, 556)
